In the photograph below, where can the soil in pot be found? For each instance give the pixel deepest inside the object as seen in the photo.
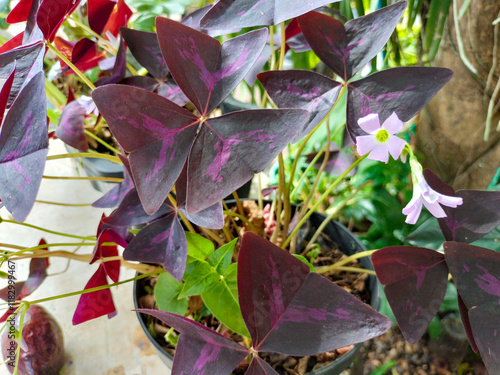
(358, 284)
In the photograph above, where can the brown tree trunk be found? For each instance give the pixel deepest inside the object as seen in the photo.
(450, 133)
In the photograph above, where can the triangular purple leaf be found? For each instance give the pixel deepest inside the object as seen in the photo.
(464, 316)
(290, 310)
(263, 58)
(477, 216)
(415, 280)
(146, 49)
(143, 82)
(116, 195)
(119, 68)
(24, 58)
(302, 89)
(157, 133)
(230, 149)
(193, 21)
(476, 271)
(169, 90)
(5, 93)
(199, 349)
(259, 367)
(23, 149)
(346, 49)
(162, 241)
(206, 71)
(247, 13)
(403, 90)
(71, 126)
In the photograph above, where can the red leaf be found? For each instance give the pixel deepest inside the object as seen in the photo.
(119, 18)
(20, 12)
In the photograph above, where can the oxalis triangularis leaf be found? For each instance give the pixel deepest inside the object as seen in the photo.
(222, 153)
(476, 272)
(23, 148)
(287, 309)
(415, 280)
(345, 49)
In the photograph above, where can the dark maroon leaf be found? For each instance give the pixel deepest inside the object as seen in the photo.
(32, 32)
(98, 13)
(259, 367)
(95, 304)
(230, 149)
(51, 15)
(116, 195)
(162, 241)
(264, 56)
(347, 49)
(464, 315)
(119, 67)
(476, 271)
(172, 92)
(403, 90)
(157, 133)
(193, 19)
(199, 349)
(289, 310)
(477, 216)
(228, 14)
(145, 48)
(302, 89)
(71, 126)
(83, 54)
(119, 18)
(23, 149)
(24, 59)
(415, 280)
(206, 71)
(143, 82)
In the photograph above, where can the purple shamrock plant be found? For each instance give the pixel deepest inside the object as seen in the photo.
(247, 266)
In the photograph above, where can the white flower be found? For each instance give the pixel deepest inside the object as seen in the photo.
(424, 194)
(380, 141)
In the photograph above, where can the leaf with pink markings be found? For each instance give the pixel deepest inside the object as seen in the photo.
(157, 133)
(289, 310)
(477, 216)
(403, 90)
(193, 21)
(259, 367)
(24, 59)
(206, 71)
(162, 241)
(23, 149)
(98, 13)
(247, 13)
(415, 280)
(51, 15)
(347, 48)
(71, 126)
(146, 49)
(199, 349)
(115, 196)
(476, 272)
(302, 89)
(230, 149)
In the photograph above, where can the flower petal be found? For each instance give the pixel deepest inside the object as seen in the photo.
(396, 146)
(393, 124)
(369, 123)
(450, 201)
(380, 153)
(435, 209)
(365, 143)
(413, 211)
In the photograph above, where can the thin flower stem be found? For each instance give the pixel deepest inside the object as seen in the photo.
(95, 289)
(10, 246)
(102, 142)
(111, 158)
(238, 203)
(242, 218)
(78, 178)
(21, 324)
(341, 263)
(72, 66)
(213, 236)
(259, 195)
(304, 142)
(56, 96)
(47, 230)
(354, 269)
(321, 199)
(17, 254)
(287, 207)
(283, 47)
(231, 218)
(65, 204)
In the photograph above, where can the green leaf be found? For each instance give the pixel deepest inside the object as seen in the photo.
(435, 329)
(5, 9)
(438, 12)
(199, 248)
(427, 235)
(222, 300)
(490, 241)
(202, 278)
(382, 369)
(166, 293)
(450, 302)
(304, 260)
(221, 259)
(4, 275)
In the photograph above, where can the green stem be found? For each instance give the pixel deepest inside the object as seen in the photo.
(242, 218)
(39, 247)
(77, 178)
(321, 199)
(354, 269)
(283, 47)
(102, 142)
(47, 230)
(65, 204)
(111, 158)
(21, 323)
(72, 66)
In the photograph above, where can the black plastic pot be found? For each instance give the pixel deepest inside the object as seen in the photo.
(349, 245)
